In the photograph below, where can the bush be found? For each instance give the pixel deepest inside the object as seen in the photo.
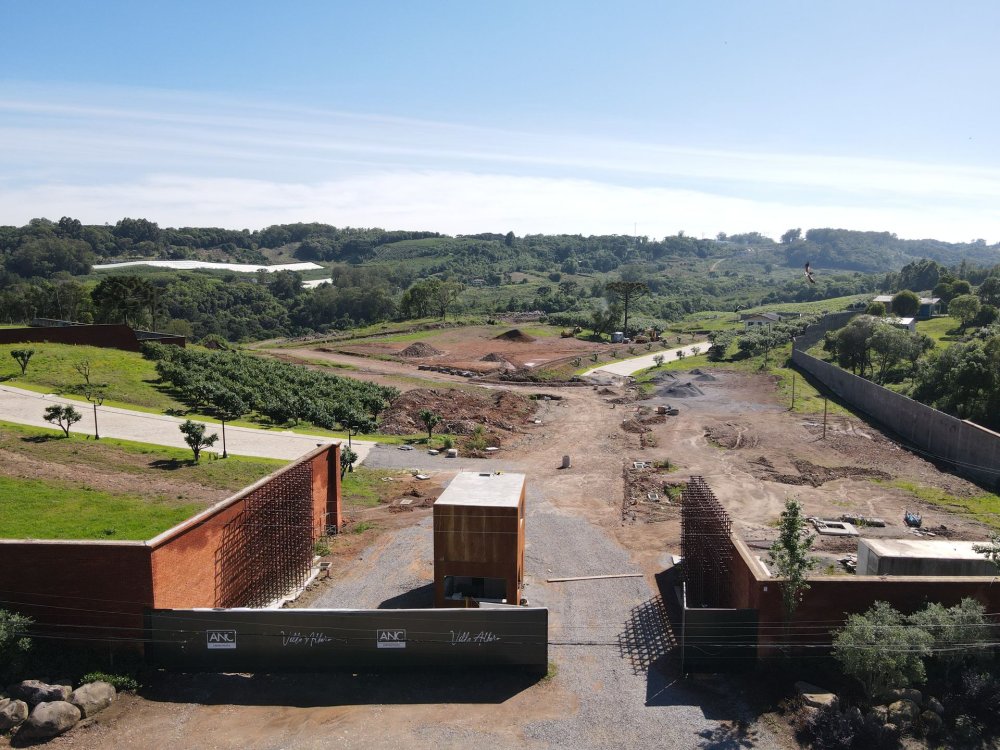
(120, 682)
(14, 643)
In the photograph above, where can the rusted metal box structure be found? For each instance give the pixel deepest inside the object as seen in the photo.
(479, 540)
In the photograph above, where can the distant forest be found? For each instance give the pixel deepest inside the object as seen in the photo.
(377, 275)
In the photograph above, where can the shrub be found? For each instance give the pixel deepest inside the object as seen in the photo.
(120, 682)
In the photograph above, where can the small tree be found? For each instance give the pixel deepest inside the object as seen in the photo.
(991, 550)
(430, 420)
(95, 394)
(658, 360)
(790, 556)
(905, 304)
(875, 309)
(64, 416)
(195, 437)
(347, 459)
(881, 651)
(83, 367)
(22, 356)
(965, 308)
(228, 406)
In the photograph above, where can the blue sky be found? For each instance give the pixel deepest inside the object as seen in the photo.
(533, 116)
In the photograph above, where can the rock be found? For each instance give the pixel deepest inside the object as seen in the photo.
(880, 713)
(49, 719)
(903, 712)
(12, 713)
(855, 716)
(34, 692)
(92, 698)
(814, 696)
(931, 722)
(933, 704)
(904, 694)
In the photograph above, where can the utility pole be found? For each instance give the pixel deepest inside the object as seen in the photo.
(824, 417)
(792, 407)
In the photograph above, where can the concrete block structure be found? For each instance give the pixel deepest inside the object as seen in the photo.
(921, 557)
(479, 540)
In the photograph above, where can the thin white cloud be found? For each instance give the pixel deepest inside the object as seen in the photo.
(102, 154)
(461, 202)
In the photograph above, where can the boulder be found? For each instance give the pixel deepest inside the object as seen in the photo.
(931, 722)
(92, 698)
(903, 712)
(933, 704)
(12, 713)
(814, 696)
(34, 692)
(904, 694)
(48, 720)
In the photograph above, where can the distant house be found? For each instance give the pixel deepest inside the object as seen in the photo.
(929, 306)
(753, 320)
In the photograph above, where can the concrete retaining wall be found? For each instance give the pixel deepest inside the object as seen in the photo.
(972, 450)
(108, 336)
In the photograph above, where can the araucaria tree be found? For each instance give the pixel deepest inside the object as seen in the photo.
(430, 420)
(64, 416)
(195, 437)
(789, 556)
(626, 291)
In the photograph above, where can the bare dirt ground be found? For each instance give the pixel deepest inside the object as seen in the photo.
(612, 685)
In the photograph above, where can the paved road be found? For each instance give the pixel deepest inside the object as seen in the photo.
(26, 407)
(628, 366)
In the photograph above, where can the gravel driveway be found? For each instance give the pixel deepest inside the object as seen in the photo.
(634, 364)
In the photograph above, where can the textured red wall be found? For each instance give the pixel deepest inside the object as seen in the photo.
(830, 599)
(101, 589)
(78, 588)
(108, 336)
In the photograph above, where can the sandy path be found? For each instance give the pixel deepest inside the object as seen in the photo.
(26, 407)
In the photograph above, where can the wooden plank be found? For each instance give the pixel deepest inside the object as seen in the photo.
(592, 578)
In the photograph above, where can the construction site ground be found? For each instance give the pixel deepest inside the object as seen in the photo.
(612, 683)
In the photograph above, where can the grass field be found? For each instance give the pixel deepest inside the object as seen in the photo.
(982, 508)
(944, 330)
(54, 508)
(131, 378)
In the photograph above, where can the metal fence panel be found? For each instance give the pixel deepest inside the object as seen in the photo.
(312, 640)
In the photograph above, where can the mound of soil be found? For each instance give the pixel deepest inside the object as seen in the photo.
(493, 357)
(515, 335)
(420, 349)
(685, 390)
(461, 412)
(734, 436)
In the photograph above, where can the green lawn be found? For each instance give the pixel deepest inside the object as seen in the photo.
(131, 379)
(61, 509)
(127, 456)
(52, 509)
(944, 330)
(810, 308)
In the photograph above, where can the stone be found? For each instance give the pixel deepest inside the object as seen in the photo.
(92, 698)
(34, 692)
(933, 704)
(814, 696)
(49, 719)
(903, 712)
(904, 694)
(931, 721)
(880, 714)
(12, 713)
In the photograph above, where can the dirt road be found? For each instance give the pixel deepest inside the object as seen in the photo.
(26, 407)
(634, 364)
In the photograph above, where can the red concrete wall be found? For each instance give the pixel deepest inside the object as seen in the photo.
(830, 599)
(185, 569)
(100, 589)
(78, 589)
(108, 336)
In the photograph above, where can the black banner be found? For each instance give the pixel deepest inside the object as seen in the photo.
(313, 640)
